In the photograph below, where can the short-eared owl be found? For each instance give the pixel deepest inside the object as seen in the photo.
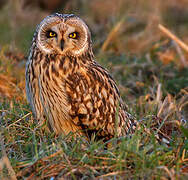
(67, 87)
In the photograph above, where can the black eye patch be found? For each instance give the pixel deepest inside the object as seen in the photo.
(74, 35)
(51, 34)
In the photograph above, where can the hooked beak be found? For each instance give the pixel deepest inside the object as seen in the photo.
(62, 44)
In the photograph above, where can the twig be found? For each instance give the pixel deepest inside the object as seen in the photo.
(111, 35)
(181, 55)
(162, 106)
(170, 173)
(110, 174)
(19, 120)
(173, 37)
(52, 155)
(106, 158)
(159, 93)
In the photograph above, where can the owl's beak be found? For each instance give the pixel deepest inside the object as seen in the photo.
(62, 44)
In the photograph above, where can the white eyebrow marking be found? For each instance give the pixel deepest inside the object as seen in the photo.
(85, 42)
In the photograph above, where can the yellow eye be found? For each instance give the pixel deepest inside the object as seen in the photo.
(73, 35)
(51, 34)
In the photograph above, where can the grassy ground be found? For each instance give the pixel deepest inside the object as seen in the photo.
(153, 80)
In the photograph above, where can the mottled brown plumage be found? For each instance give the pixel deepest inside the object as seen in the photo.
(67, 87)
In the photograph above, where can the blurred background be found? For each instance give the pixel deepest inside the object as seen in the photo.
(18, 19)
(150, 69)
(125, 34)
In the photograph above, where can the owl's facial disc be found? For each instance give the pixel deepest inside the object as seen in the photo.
(64, 36)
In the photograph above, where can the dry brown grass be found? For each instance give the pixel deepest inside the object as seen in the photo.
(154, 84)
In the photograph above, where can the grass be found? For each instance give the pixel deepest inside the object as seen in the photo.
(153, 82)
(35, 153)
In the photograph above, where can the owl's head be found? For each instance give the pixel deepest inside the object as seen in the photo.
(64, 34)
